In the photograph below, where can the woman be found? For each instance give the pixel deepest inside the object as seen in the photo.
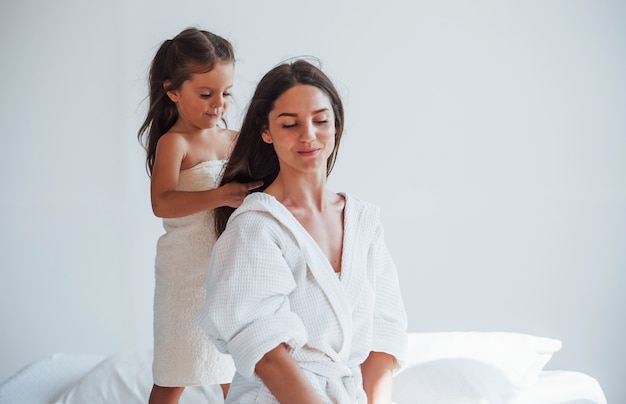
(301, 291)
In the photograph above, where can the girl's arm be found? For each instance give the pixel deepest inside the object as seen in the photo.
(377, 373)
(284, 378)
(168, 202)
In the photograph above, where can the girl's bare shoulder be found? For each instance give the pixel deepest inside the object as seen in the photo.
(172, 140)
(230, 138)
(230, 135)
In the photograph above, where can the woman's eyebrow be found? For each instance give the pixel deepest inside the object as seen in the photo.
(295, 115)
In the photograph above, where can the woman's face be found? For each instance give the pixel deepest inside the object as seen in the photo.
(302, 129)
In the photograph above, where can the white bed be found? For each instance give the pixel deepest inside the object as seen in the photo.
(450, 368)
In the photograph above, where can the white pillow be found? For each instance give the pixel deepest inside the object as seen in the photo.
(471, 367)
(127, 378)
(452, 381)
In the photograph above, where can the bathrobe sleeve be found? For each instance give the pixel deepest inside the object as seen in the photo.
(247, 311)
(390, 320)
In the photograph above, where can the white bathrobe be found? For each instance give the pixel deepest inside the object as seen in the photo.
(270, 283)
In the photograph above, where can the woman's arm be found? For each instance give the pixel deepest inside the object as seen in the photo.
(284, 378)
(377, 373)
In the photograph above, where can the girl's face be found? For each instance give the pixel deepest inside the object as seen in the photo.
(202, 100)
(302, 129)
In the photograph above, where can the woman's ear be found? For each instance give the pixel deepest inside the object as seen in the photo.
(172, 94)
(265, 135)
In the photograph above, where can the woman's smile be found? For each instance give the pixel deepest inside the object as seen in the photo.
(309, 152)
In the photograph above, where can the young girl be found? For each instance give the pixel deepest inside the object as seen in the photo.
(301, 291)
(189, 82)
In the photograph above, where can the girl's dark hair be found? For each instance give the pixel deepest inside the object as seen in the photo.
(252, 159)
(191, 51)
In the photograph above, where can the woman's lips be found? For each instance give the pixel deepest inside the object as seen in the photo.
(308, 152)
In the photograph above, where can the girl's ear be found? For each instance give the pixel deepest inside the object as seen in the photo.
(172, 94)
(265, 135)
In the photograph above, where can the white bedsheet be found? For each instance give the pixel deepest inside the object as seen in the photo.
(444, 368)
(467, 382)
(68, 378)
(558, 386)
(45, 380)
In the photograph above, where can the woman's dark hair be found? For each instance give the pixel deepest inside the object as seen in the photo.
(190, 52)
(254, 160)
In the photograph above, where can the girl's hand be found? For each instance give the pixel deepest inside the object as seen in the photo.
(235, 192)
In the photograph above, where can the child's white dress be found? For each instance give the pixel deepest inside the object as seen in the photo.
(183, 353)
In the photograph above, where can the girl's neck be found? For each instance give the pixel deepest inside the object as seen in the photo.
(189, 130)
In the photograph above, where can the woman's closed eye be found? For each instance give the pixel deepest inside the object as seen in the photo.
(320, 122)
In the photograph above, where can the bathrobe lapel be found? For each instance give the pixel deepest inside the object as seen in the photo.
(318, 264)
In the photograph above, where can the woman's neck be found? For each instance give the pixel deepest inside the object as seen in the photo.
(301, 192)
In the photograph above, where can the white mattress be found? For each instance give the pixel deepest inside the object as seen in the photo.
(442, 368)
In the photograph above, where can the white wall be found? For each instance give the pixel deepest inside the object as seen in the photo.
(493, 136)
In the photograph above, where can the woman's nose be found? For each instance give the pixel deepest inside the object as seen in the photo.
(308, 133)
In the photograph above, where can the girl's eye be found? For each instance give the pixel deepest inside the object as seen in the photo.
(287, 126)
(210, 95)
(325, 121)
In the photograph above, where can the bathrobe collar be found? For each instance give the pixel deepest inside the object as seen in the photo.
(316, 260)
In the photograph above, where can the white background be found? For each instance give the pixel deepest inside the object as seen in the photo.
(492, 135)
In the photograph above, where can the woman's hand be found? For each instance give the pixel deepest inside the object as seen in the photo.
(377, 373)
(284, 378)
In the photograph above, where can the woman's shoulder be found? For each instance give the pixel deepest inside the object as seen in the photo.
(258, 217)
(258, 204)
(359, 204)
(362, 215)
